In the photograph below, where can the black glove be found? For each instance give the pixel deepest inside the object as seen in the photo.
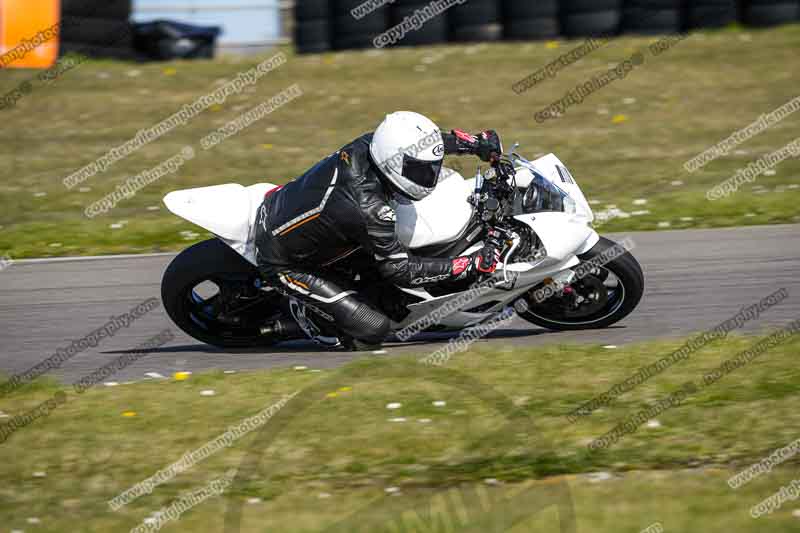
(489, 145)
(486, 145)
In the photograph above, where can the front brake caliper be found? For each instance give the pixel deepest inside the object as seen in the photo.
(563, 279)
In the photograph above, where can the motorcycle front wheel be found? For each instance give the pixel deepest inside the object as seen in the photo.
(603, 297)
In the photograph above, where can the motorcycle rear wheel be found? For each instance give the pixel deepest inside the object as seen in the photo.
(228, 318)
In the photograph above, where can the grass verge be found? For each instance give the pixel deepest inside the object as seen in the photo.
(336, 447)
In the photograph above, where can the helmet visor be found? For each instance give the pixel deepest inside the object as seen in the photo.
(423, 173)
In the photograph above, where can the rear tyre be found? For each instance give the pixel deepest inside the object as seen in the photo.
(610, 294)
(214, 319)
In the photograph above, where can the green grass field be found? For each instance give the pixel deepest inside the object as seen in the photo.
(335, 448)
(626, 144)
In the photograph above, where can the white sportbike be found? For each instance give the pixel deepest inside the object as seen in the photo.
(555, 270)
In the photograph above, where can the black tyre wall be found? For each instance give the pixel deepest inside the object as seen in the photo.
(312, 36)
(590, 17)
(532, 29)
(349, 32)
(530, 20)
(98, 28)
(325, 24)
(126, 53)
(530, 9)
(770, 12)
(306, 10)
(710, 13)
(107, 9)
(110, 33)
(477, 20)
(477, 33)
(652, 16)
(433, 31)
(312, 27)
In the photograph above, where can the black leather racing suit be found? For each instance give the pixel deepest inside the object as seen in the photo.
(338, 206)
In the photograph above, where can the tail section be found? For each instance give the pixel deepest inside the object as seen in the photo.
(228, 211)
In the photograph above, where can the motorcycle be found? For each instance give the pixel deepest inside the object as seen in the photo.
(555, 270)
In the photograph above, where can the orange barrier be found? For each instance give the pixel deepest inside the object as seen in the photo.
(29, 33)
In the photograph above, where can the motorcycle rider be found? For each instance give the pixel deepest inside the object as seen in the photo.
(344, 203)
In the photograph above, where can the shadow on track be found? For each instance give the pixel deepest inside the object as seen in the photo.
(304, 346)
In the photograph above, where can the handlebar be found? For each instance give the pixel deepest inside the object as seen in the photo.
(494, 195)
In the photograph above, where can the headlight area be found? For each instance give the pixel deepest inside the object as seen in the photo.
(543, 195)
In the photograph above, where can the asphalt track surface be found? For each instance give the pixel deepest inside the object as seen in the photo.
(694, 280)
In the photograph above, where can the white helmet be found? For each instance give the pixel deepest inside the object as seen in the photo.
(408, 149)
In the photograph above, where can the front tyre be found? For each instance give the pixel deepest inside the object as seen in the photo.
(603, 297)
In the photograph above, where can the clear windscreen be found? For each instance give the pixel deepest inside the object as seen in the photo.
(543, 195)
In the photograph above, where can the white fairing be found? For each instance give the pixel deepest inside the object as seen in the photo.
(562, 235)
(440, 217)
(228, 211)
